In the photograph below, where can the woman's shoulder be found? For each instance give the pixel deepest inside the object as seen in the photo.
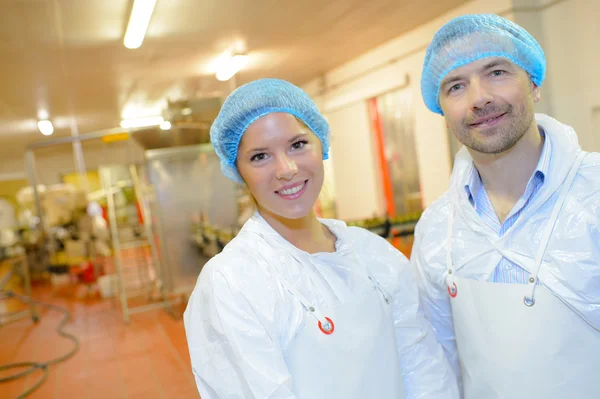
(235, 288)
(239, 274)
(243, 257)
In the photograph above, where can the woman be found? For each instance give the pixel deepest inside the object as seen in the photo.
(294, 306)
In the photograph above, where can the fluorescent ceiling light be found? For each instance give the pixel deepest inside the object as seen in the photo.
(43, 114)
(230, 65)
(45, 127)
(166, 125)
(138, 23)
(142, 122)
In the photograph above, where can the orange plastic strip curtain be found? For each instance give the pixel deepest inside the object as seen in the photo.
(377, 129)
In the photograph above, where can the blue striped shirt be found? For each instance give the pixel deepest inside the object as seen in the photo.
(507, 271)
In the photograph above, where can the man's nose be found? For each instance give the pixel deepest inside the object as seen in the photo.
(478, 95)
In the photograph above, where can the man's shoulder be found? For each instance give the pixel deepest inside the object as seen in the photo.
(591, 161)
(586, 187)
(588, 175)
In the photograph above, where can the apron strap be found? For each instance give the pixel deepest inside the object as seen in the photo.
(452, 289)
(376, 285)
(308, 305)
(325, 323)
(545, 239)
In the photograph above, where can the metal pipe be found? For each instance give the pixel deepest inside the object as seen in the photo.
(144, 206)
(27, 277)
(79, 161)
(167, 277)
(105, 176)
(159, 153)
(84, 137)
(30, 164)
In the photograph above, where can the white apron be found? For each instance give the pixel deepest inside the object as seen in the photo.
(520, 340)
(348, 351)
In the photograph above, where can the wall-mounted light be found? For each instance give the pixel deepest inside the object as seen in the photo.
(166, 125)
(142, 122)
(228, 65)
(138, 23)
(45, 127)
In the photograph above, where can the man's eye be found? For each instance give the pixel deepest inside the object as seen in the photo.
(454, 88)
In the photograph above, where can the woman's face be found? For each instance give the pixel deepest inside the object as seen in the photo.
(281, 161)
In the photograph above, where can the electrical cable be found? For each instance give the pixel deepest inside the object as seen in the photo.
(43, 366)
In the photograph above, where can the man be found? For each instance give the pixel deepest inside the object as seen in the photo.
(508, 259)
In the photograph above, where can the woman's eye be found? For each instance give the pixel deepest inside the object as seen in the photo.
(299, 144)
(258, 157)
(498, 73)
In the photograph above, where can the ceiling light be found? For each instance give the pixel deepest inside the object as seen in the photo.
(138, 23)
(45, 127)
(230, 65)
(186, 111)
(43, 114)
(142, 122)
(166, 125)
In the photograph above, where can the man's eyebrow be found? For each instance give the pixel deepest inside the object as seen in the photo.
(489, 65)
(495, 63)
(453, 79)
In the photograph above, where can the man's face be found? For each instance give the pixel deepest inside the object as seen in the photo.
(488, 104)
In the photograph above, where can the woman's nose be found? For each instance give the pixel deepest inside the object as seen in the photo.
(286, 168)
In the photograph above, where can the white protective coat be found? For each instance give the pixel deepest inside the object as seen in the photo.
(241, 321)
(570, 268)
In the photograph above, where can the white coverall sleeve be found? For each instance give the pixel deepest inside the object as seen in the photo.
(233, 355)
(425, 369)
(434, 298)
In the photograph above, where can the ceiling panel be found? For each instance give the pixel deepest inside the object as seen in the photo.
(67, 56)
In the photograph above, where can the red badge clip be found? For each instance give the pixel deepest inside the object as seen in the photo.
(331, 326)
(453, 291)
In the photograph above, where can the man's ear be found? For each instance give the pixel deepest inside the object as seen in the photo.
(535, 89)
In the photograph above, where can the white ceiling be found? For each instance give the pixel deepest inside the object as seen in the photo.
(67, 56)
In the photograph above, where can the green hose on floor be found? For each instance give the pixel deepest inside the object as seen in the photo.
(34, 366)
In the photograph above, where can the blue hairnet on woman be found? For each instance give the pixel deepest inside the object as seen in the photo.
(296, 306)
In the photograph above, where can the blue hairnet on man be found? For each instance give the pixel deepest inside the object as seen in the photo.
(508, 259)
